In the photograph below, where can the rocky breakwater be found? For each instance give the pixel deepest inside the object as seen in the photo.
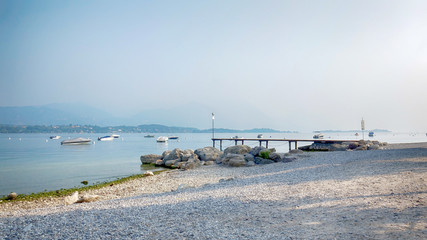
(183, 159)
(235, 156)
(344, 146)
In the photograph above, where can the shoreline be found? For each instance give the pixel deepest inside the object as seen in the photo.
(120, 192)
(359, 194)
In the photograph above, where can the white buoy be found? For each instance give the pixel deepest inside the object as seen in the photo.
(46, 140)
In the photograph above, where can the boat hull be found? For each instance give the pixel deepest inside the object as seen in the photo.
(77, 141)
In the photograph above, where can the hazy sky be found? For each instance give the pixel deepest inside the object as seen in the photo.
(289, 65)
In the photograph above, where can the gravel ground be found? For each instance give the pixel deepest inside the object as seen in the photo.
(325, 195)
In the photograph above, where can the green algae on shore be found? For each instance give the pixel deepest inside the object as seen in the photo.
(65, 192)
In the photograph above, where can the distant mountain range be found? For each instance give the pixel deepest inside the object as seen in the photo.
(149, 128)
(81, 118)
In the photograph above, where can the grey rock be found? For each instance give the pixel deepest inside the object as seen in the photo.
(238, 149)
(150, 158)
(173, 155)
(187, 154)
(374, 147)
(170, 163)
(275, 157)
(234, 160)
(207, 153)
(250, 163)
(256, 150)
(249, 157)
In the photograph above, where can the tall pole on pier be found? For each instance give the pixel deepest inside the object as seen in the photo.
(213, 129)
(213, 125)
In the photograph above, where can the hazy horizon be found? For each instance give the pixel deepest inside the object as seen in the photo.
(287, 65)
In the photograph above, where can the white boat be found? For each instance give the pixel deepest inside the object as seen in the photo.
(55, 137)
(318, 136)
(162, 139)
(371, 134)
(106, 138)
(260, 136)
(115, 135)
(76, 141)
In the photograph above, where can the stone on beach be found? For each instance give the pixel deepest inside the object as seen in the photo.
(148, 173)
(12, 196)
(72, 199)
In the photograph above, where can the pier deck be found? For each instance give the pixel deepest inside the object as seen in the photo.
(266, 140)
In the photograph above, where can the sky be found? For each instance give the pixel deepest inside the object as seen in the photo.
(287, 65)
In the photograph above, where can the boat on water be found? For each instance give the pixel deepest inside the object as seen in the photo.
(149, 136)
(162, 139)
(371, 134)
(55, 137)
(357, 134)
(106, 138)
(318, 136)
(173, 137)
(260, 136)
(115, 135)
(76, 141)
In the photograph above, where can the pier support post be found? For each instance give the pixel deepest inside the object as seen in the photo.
(266, 144)
(220, 145)
(290, 148)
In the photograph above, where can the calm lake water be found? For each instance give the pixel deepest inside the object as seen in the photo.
(34, 163)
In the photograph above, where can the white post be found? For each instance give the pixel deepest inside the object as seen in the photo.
(363, 128)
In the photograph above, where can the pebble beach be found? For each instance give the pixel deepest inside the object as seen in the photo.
(378, 194)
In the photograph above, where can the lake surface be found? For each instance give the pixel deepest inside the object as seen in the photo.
(34, 163)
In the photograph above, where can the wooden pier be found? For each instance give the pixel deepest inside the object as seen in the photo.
(266, 140)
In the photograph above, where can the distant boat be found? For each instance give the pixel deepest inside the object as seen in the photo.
(106, 138)
(260, 136)
(371, 134)
(115, 135)
(318, 136)
(149, 136)
(173, 137)
(162, 139)
(76, 141)
(357, 134)
(55, 137)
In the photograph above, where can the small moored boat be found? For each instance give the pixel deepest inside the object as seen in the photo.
(260, 136)
(162, 139)
(55, 137)
(76, 141)
(371, 134)
(106, 138)
(149, 136)
(173, 137)
(318, 136)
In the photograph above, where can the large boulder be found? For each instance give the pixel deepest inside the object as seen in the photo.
(207, 153)
(150, 158)
(238, 149)
(173, 155)
(233, 160)
(187, 154)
